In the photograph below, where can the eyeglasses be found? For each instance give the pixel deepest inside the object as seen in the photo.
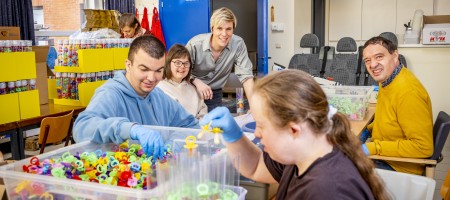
(179, 64)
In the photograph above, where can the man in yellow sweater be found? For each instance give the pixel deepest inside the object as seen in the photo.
(403, 124)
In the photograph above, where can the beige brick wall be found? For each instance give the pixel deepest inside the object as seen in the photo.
(38, 2)
(60, 14)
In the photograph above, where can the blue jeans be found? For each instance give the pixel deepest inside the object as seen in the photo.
(216, 101)
(382, 165)
(364, 136)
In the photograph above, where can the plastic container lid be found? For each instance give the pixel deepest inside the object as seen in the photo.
(249, 127)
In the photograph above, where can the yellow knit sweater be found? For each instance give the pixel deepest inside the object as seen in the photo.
(403, 124)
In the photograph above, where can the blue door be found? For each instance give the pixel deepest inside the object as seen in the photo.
(262, 54)
(183, 19)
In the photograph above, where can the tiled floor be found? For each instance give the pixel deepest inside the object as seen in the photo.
(442, 169)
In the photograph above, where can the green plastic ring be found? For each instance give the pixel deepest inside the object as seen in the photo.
(202, 189)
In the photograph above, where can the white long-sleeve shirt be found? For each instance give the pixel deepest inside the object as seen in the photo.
(186, 94)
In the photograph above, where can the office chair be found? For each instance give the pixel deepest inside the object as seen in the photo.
(441, 130)
(393, 38)
(55, 129)
(345, 62)
(307, 62)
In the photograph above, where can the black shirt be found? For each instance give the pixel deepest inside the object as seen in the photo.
(333, 176)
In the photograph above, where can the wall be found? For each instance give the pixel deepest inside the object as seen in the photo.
(296, 18)
(442, 7)
(37, 2)
(60, 14)
(372, 17)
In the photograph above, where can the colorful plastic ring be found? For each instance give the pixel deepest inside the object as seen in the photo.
(34, 161)
(98, 153)
(202, 189)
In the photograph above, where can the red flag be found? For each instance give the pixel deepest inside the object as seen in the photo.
(144, 22)
(156, 26)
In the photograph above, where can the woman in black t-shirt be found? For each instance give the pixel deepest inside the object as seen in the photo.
(309, 148)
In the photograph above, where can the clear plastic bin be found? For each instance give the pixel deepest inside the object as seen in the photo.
(352, 101)
(19, 183)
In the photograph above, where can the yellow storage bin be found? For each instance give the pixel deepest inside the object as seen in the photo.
(105, 59)
(85, 93)
(97, 59)
(120, 56)
(17, 66)
(25, 65)
(9, 107)
(51, 85)
(87, 90)
(67, 102)
(7, 69)
(29, 105)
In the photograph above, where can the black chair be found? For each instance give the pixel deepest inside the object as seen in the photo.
(307, 62)
(362, 75)
(393, 38)
(441, 130)
(345, 62)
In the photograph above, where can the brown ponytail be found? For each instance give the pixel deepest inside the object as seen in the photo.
(342, 137)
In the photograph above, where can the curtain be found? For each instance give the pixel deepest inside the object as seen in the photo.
(123, 6)
(18, 13)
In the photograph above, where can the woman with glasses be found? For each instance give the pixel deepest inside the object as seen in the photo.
(176, 82)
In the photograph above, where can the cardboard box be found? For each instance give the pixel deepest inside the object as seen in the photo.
(31, 143)
(42, 72)
(41, 82)
(9, 33)
(436, 29)
(41, 53)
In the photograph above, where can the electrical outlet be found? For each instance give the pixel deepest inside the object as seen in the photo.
(274, 26)
(280, 27)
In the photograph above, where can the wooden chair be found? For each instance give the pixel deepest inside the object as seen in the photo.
(55, 129)
(441, 130)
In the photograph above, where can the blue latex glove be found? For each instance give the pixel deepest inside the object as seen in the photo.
(151, 141)
(221, 117)
(365, 149)
(364, 135)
